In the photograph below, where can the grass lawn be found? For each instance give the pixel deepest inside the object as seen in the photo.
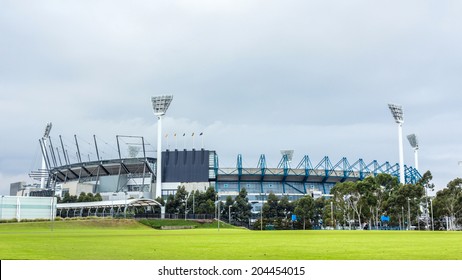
(127, 239)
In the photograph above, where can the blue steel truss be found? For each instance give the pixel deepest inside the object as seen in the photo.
(296, 179)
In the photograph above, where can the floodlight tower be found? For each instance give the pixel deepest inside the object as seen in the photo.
(46, 134)
(415, 145)
(397, 112)
(287, 155)
(160, 105)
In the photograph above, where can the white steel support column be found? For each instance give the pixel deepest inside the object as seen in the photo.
(160, 105)
(397, 112)
(159, 159)
(401, 154)
(415, 146)
(42, 170)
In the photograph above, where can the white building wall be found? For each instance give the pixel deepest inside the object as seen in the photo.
(27, 207)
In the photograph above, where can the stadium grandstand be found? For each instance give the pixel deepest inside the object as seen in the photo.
(65, 171)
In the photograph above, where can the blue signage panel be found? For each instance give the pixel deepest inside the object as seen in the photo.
(294, 218)
(385, 218)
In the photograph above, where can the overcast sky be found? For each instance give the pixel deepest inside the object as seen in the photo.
(254, 76)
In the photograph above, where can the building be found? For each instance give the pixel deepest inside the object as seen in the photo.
(200, 169)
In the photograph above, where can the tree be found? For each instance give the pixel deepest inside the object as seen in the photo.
(82, 197)
(319, 205)
(270, 208)
(98, 197)
(448, 203)
(304, 209)
(352, 194)
(242, 207)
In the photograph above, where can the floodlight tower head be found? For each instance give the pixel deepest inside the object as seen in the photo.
(288, 153)
(413, 141)
(46, 134)
(160, 104)
(397, 112)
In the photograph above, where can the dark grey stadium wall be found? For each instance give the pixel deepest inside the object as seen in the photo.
(185, 166)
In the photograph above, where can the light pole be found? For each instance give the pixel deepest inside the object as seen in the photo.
(229, 214)
(332, 213)
(46, 134)
(186, 206)
(261, 212)
(415, 146)
(160, 105)
(112, 203)
(431, 207)
(218, 214)
(397, 112)
(125, 205)
(408, 214)
(402, 215)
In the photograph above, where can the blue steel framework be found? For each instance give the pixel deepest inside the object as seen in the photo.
(299, 180)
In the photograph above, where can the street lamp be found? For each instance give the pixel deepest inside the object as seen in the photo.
(125, 208)
(112, 203)
(261, 212)
(332, 213)
(408, 214)
(431, 207)
(186, 206)
(160, 105)
(229, 214)
(397, 112)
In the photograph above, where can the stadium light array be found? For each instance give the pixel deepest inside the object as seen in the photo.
(46, 134)
(415, 145)
(160, 105)
(397, 112)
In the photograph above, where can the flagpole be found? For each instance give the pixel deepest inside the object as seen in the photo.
(192, 140)
(202, 140)
(184, 144)
(176, 141)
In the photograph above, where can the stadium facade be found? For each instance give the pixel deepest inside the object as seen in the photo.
(199, 169)
(144, 177)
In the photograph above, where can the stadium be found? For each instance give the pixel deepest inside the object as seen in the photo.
(135, 175)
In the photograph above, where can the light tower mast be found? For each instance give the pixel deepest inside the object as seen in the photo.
(397, 112)
(415, 145)
(160, 105)
(46, 134)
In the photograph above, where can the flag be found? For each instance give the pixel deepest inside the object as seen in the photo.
(192, 134)
(201, 134)
(174, 134)
(184, 134)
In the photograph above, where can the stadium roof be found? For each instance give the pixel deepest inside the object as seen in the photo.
(108, 204)
(103, 168)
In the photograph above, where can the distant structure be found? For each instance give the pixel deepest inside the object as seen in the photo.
(138, 176)
(397, 112)
(160, 105)
(415, 145)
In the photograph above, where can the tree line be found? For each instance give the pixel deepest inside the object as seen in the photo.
(375, 202)
(83, 197)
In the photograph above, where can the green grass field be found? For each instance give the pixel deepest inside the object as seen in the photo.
(128, 239)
